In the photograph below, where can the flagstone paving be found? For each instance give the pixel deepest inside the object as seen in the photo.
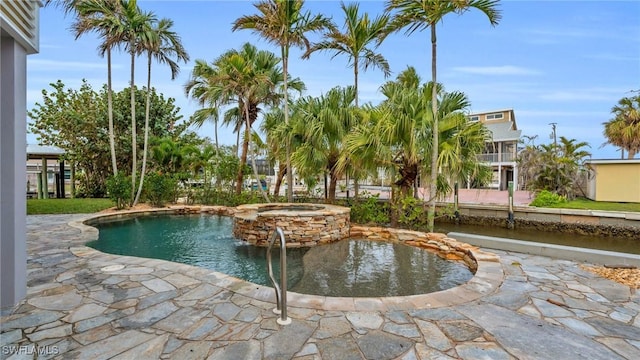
(83, 304)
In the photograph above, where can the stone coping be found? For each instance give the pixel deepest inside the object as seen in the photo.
(488, 276)
(249, 211)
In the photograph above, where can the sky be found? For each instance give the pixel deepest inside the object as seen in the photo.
(563, 62)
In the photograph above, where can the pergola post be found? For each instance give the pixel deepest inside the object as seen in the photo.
(45, 179)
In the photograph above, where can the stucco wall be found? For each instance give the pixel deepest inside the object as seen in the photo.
(619, 182)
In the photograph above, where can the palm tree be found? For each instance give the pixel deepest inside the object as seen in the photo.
(396, 135)
(201, 87)
(277, 132)
(163, 44)
(136, 26)
(283, 23)
(247, 77)
(624, 129)
(359, 33)
(322, 124)
(419, 15)
(103, 17)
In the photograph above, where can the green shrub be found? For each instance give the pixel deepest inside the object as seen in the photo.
(369, 209)
(211, 196)
(119, 189)
(546, 198)
(410, 212)
(159, 188)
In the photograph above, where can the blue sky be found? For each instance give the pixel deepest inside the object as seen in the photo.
(566, 62)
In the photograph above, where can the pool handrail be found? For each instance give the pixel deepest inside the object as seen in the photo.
(281, 290)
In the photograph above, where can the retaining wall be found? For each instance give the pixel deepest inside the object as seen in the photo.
(585, 222)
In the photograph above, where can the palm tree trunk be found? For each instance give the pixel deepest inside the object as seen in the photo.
(433, 186)
(112, 140)
(134, 142)
(146, 131)
(243, 159)
(285, 65)
(253, 156)
(355, 77)
(333, 180)
(282, 170)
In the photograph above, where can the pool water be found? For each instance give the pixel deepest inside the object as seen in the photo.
(345, 268)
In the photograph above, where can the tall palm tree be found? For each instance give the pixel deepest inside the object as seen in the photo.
(624, 129)
(103, 17)
(283, 23)
(164, 45)
(136, 26)
(359, 33)
(420, 15)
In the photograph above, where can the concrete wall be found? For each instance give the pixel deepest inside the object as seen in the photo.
(13, 134)
(594, 222)
(616, 181)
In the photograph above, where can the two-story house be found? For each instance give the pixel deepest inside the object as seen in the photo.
(501, 152)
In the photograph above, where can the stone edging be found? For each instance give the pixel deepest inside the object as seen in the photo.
(486, 280)
(303, 225)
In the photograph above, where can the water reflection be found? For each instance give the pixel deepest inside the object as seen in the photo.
(363, 268)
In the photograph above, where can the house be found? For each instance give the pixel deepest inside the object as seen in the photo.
(501, 152)
(614, 180)
(19, 22)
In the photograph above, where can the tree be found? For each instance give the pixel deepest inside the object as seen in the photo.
(624, 129)
(322, 124)
(558, 168)
(163, 44)
(136, 26)
(73, 120)
(102, 17)
(76, 121)
(419, 15)
(359, 33)
(247, 77)
(283, 23)
(396, 135)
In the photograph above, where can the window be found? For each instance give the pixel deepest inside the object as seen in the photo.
(474, 118)
(495, 116)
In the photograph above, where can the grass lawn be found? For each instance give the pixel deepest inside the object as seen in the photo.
(587, 204)
(67, 206)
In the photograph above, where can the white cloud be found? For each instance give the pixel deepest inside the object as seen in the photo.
(496, 70)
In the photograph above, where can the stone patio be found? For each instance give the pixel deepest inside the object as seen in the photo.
(85, 304)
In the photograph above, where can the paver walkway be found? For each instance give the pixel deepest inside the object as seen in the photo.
(82, 304)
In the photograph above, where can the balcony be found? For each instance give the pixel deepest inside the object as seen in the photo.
(496, 157)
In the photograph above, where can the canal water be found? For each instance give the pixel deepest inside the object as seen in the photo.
(625, 245)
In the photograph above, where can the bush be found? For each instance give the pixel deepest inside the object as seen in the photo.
(369, 210)
(546, 198)
(159, 188)
(119, 189)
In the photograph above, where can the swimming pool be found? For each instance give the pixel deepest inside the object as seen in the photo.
(352, 268)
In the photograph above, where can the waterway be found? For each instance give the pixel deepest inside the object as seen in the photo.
(624, 245)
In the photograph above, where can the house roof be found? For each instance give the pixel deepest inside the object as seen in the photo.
(47, 152)
(612, 161)
(503, 131)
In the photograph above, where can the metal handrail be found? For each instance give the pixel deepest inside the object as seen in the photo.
(281, 291)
